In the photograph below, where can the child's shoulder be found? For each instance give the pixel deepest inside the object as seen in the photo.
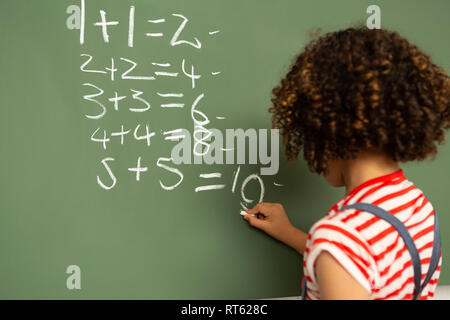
(398, 196)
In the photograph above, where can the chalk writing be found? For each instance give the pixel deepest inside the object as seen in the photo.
(104, 101)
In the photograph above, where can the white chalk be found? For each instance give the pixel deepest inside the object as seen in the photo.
(243, 213)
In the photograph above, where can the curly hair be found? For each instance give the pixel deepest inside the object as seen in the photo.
(361, 89)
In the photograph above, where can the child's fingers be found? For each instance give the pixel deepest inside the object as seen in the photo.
(260, 208)
(255, 222)
(253, 210)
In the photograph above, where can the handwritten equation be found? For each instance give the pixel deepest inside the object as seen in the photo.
(105, 103)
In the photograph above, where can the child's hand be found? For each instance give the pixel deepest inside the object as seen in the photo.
(271, 218)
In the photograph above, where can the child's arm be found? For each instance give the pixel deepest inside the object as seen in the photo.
(271, 218)
(335, 283)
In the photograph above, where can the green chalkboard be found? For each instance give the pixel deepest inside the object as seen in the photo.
(132, 235)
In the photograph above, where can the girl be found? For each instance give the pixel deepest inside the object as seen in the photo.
(357, 102)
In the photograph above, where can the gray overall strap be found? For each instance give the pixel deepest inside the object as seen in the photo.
(409, 242)
(304, 289)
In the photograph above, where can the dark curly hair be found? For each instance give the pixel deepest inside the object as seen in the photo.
(361, 89)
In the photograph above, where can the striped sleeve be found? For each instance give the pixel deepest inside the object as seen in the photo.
(349, 249)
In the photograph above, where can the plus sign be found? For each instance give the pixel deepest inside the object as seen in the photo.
(138, 169)
(104, 24)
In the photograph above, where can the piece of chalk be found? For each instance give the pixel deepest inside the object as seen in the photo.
(243, 213)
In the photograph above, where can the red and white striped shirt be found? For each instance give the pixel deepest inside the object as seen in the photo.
(369, 248)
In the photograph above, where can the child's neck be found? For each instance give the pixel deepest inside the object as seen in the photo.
(366, 166)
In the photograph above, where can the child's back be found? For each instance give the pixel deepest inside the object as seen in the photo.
(369, 248)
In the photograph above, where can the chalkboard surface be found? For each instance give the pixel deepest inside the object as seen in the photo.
(89, 111)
